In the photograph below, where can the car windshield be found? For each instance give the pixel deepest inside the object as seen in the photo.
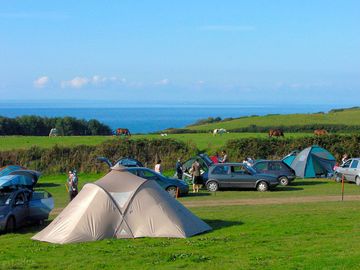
(4, 198)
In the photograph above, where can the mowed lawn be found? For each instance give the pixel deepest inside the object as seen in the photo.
(55, 184)
(321, 235)
(203, 141)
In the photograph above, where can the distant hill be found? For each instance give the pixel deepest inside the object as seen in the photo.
(335, 120)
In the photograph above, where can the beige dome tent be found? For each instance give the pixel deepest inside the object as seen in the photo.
(121, 205)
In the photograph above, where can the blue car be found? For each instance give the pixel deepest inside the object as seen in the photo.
(171, 185)
(19, 203)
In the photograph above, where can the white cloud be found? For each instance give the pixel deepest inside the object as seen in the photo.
(228, 28)
(76, 82)
(97, 79)
(41, 82)
(163, 82)
(79, 82)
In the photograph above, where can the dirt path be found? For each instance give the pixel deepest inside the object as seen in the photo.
(287, 200)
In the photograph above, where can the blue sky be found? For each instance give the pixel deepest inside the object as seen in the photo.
(239, 52)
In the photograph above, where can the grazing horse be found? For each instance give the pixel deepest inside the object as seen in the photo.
(320, 132)
(276, 133)
(219, 131)
(123, 131)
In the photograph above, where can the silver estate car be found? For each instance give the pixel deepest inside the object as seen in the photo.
(238, 175)
(350, 170)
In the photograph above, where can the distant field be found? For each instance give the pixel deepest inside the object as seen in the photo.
(346, 117)
(203, 141)
(24, 142)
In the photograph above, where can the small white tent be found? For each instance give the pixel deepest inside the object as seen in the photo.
(121, 205)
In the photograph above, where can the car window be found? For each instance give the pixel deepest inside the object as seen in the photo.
(220, 170)
(347, 164)
(275, 166)
(239, 169)
(262, 166)
(149, 175)
(5, 198)
(128, 162)
(188, 164)
(354, 164)
(20, 198)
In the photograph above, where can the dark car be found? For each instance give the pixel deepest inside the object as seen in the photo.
(278, 168)
(19, 203)
(238, 175)
(171, 185)
(125, 161)
(204, 161)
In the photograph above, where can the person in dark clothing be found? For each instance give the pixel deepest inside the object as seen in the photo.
(179, 169)
(196, 174)
(72, 184)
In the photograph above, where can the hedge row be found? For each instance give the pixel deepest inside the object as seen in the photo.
(40, 126)
(83, 158)
(277, 148)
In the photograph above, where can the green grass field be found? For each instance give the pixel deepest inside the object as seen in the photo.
(346, 117)
(203, 141)
(321, 235)
(55, 184)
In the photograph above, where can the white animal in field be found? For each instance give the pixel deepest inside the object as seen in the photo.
(219, 131)
(163, 134)
(53, 132)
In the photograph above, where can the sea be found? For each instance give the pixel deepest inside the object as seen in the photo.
(145, 118)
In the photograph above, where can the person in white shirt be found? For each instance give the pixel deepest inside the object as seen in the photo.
(158, 167)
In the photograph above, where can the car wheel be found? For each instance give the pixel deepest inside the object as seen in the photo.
(357, 180)
(172, 191)
(338, 178)
(10, 225)
(212, 186)
(284, 181)
(262, 186)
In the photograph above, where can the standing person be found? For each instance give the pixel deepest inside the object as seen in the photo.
(225, 157)
(158, 167)
(179, 169)
(344, 159)
(196, 174)
(215, 158)
(72, 184)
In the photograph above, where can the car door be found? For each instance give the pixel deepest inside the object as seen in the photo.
(276, 168)
(345, 169)
(352, 170)
(241, 177)
(221, 174)
(20, 208)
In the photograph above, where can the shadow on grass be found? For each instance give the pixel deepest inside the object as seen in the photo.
(31, 228)
(308, 183)
(47, 185)
(200, 194)
(217, 224)
(287, 188)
